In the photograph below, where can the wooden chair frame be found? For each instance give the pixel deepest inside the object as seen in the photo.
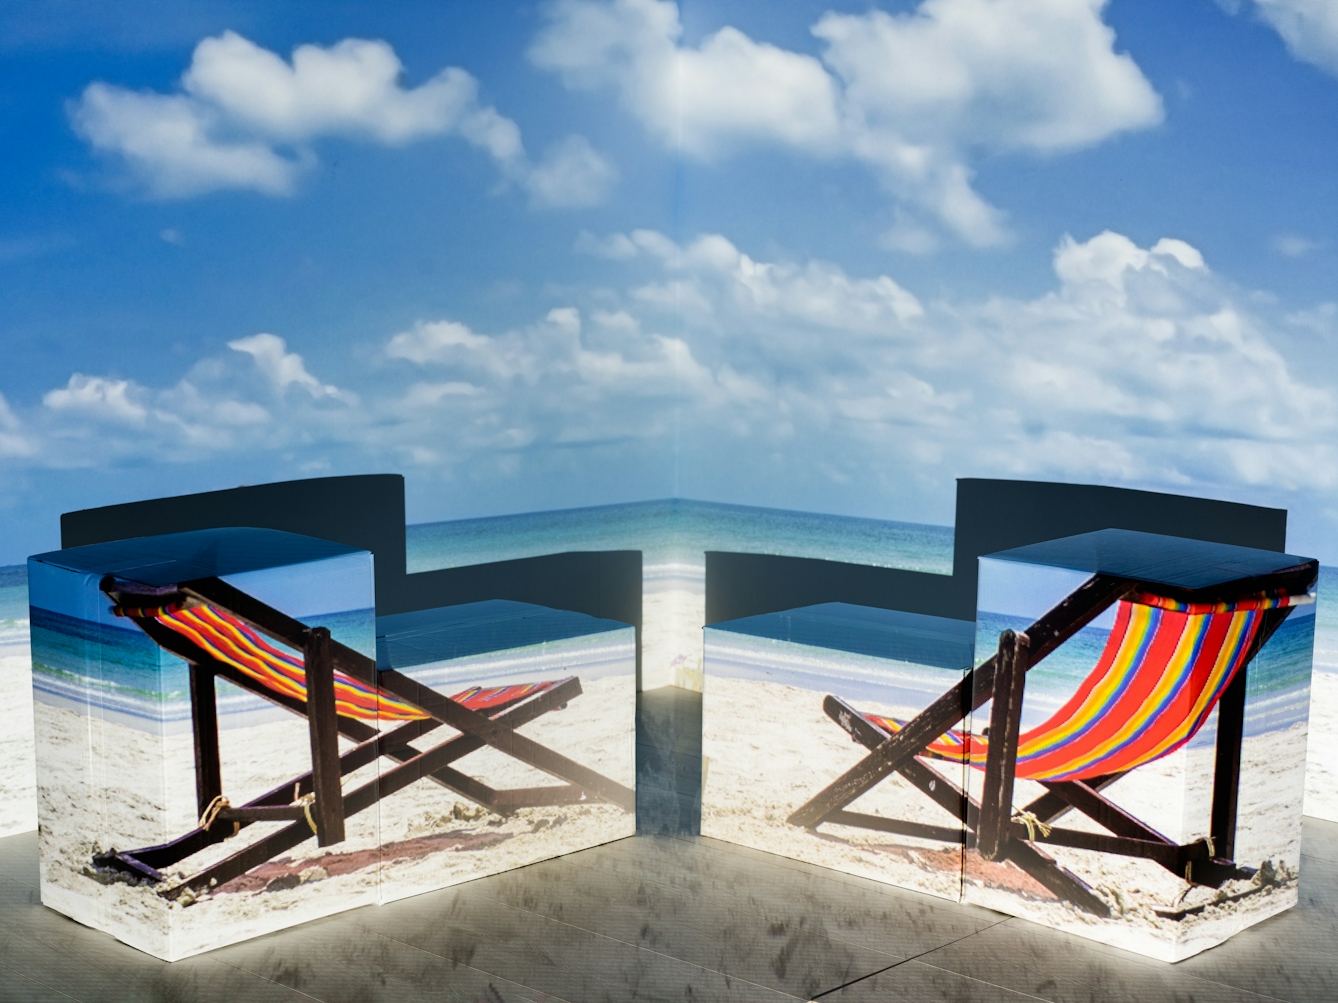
(495, 728)
(991, 826)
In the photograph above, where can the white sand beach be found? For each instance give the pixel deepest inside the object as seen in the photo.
(673, 609)
(104, 785)
(18, 787)
(1321, 782)
(770, 747)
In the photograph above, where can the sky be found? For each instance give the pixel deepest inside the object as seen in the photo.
(821, 256)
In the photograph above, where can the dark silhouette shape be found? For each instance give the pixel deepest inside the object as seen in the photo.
(367, 511)
(992, 515)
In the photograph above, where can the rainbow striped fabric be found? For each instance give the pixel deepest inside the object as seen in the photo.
(235, 643)
(1163, 669)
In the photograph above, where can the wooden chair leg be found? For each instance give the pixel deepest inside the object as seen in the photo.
(328, 809)
(204, 724)
(996, 803)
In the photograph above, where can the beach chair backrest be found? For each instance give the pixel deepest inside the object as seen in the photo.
(1163, 669)
(241, 646)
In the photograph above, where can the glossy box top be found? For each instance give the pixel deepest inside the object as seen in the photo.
(431, 635)
(1151, 557)
(158, 561)
(867, 630)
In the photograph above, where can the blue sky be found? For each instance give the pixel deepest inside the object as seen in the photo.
(824, 256)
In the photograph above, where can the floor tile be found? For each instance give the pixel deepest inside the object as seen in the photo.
(1293, 956)
(1319, 839)
(914, 982)
(669, 918)
(464, 926)
(18, 858)
(15, 988)
(92, 967)
(342, 961)
(1318, 891)
(779, 947)
(857, 911)
(1060, 968)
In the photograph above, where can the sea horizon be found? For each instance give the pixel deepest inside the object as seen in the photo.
(673, 535)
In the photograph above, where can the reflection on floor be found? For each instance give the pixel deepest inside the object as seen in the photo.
(669, 916)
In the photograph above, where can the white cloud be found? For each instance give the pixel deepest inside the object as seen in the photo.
(352, 88)
(1040, 75)
(1292, 245)
(572, 175)
(917, 97)
(1101, 265)
(1160, 352)
(428, 394)
(434, 341)
(9, 422)
(1140, 366)
(1309, 27)
(551, 353)
(816, 292)
(168, 141)
(282, 367)
(703, 100)
(13, 442)
(615, 247)
(790, 381)
(219, 408)
(246, 119)
(98, 397)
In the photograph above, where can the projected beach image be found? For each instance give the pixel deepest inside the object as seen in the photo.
(1321, 782)
(495, 734)
(564, 684)
(673, 536)
(17, 791)
(793, 701)
(117, 767)
(1157, 691)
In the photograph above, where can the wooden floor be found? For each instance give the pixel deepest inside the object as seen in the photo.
(673, 917)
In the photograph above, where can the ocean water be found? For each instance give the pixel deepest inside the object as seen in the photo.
(1326, 620)
(673, 536)
(14, 605)
(86, 664)
(860, 678)
(118, 672)
(675, 530)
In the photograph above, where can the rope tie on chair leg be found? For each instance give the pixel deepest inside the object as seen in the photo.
(306, 801)
(211, 812)
(1032, 822)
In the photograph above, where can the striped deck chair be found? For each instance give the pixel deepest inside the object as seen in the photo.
(1168, 662)
(221, 632)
